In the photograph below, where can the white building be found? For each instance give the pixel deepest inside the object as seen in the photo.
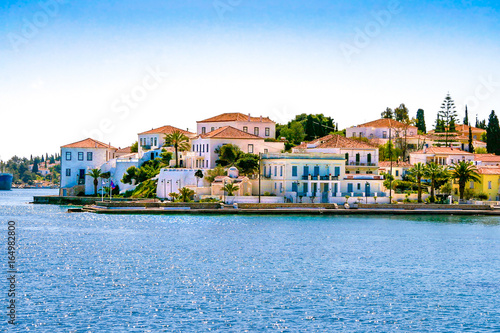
(440, 155)
(487, 160)
(316, 177)
(360, 157)
(205, 145)
(76, 161)
(381, 129)
(399, 168)
(259, 126)
(154, 139)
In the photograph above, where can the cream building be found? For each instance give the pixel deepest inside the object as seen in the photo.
(381, 129)
(258, 126)
(154, 139)
(440, 155)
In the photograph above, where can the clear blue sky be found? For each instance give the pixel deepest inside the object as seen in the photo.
(68, 66)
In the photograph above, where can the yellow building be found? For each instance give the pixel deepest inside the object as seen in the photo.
(490, 183)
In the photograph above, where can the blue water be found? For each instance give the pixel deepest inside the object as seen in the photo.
(98, 273)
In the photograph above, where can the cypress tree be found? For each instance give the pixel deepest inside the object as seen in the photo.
(471, 146)
(493, 134)
(421, 121)
(466, 119)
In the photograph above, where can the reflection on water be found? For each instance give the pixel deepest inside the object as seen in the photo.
(87, 272)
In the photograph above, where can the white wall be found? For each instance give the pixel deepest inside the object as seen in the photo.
(240, 125)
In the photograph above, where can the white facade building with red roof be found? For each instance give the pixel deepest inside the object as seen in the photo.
(381, 129)
(155, 138)
(440, 155)
(77, 159)
(259, 126)
(204, 146)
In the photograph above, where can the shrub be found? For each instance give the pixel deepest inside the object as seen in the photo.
(210, 200)
(481, 196)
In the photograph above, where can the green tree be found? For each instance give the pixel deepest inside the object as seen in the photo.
(439, 125)
(466, 118)
(493, 135)
(166, 157)
(420, 122)
(135, 147)
(471, 146)
(35, 166)
(435, 173)
(199, 175)
(464, 171)
(129, 175)
(248, 164)
(215, 172)
(179, 141)
(448, 114)
(230, 188)
(452, 128)
(401, 113)
(294, 132)
(387, 113)
(418, 172)
(96, 174)
(228, 155)
(186, 194)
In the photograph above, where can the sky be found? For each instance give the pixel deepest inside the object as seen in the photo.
(111, 69)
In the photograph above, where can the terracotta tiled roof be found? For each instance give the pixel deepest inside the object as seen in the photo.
(465, 128)
(488, 170)
(229, 132)
(126, 150)
(443, 151)
(395, 164)
(384, 122)
(487, 157)
(88, 143)
(235, 117)
(167, 129)
(335, 141)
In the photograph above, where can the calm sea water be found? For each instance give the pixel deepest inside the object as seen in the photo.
(98, 273)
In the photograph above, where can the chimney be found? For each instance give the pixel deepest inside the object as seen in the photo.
(249, 117)
(260, 118)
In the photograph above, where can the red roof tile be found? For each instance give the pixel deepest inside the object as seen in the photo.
(384, 122)
(335, 141)
(488, 170)
(443, 151)
(235, 117)
(88, 143)
(229, 132)
(487, 157)
(395, 164)
(167, 129)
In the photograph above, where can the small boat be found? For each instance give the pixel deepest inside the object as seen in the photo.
(5, 181)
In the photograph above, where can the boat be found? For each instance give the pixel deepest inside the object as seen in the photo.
(5, 181)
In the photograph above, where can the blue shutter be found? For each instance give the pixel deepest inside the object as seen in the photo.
(337, 171)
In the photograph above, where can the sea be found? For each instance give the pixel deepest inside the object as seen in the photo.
(83, 272)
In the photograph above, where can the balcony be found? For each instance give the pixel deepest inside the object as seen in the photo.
(146, 147)
(329, 177)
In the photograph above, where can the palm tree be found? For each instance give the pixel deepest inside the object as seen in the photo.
(185, 194)
(230, 188)
(179, 141)
(464, 171)
(418, 171)
(95, 173)
(434, 172)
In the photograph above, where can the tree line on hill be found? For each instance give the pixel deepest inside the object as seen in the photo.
(23, 174)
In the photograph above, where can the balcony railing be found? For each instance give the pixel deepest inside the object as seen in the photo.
(329, 177)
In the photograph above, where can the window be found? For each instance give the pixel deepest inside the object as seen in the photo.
(281, 171)
(397, 173)
(212, 129)
(156, 141)
(316, 170)
(337, 171)
(359, 186)
(207, 148)
(256, 131)
(68, 172)
(203, 148)
(68, 156)
(250, 148)
(358, 157)
(294, 171)
(353, 134)
(346, 158)
(268, 131)
(275, 171)
(306, 170)
(245, 129)
(369, 158)
(203, 130)
(89, 156)
(384, 135)
(489, 185)
(80, 156)
(471, 184)
(360, 134)
(266, 151)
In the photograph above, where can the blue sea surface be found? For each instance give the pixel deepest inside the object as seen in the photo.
(84, 272)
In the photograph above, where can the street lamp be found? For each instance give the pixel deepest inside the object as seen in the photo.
(366, 192)
(224, 191)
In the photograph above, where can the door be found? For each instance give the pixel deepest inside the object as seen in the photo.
(367, 189)
(349, 188)
(316, 171)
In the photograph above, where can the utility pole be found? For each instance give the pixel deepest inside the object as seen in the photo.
(390, 172)
(260, 172)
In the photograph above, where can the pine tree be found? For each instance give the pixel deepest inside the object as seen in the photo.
(471, 146)
(493, 134)
(452, 128)
(401, 113)
(466, 119)
(388, 114)
(439, 126)
(448, 113)
(421, 121)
